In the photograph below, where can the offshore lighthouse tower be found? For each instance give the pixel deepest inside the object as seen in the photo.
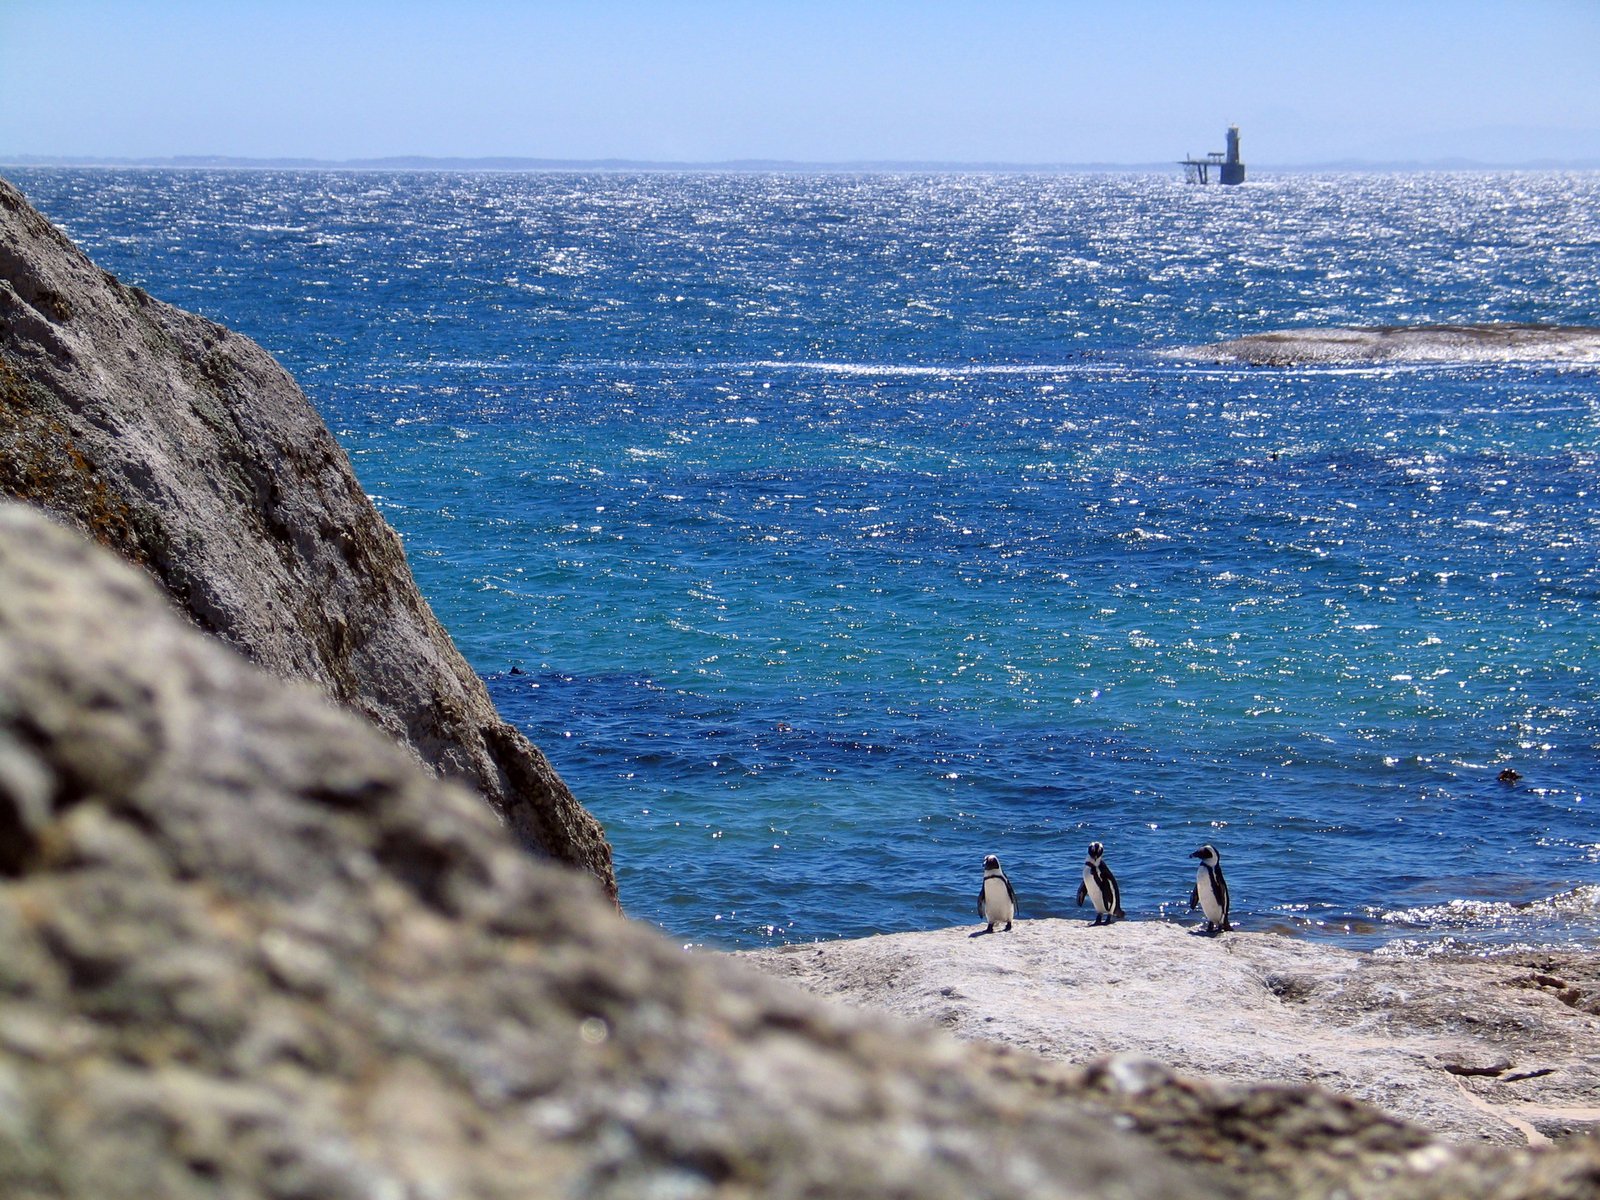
(1229, 166)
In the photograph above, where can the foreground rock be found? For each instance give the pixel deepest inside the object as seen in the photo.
(1413, 343)
(249, 949)
(189, 451)
(1498, 1052)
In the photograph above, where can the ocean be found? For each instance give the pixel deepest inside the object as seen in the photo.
(831, 531)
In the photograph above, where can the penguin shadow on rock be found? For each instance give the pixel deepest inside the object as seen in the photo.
(1100, 887)
(1210, 892)
(997, 899)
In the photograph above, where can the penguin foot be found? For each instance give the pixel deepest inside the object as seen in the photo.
(991, 928)
(1007, 928)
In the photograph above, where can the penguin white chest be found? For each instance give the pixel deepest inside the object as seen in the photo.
(1091, 888)
(997, 904)
(1210, 902)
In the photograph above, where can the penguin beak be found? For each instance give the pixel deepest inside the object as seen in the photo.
(1198, 854)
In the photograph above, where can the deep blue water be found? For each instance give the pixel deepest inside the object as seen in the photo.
(843, 529)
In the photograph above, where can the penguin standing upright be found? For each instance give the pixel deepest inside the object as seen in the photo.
(1100, 886)
(996, 899)
(1210, 889)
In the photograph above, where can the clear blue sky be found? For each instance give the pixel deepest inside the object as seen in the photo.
(824, 80)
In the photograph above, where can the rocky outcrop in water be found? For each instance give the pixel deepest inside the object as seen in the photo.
(1507, 342)
(187, 449)
(249, 949)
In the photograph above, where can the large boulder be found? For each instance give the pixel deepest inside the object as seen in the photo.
(249, 949)
(188, 450)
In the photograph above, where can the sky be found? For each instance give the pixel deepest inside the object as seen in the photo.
(1019, 81)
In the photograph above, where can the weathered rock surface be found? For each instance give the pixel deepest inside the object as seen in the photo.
(1498, 1051)
(187, 449)
(1411, 343)
(249, 949)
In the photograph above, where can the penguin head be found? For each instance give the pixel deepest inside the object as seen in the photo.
(1208, 855)
(1096, 850)
(991, 863)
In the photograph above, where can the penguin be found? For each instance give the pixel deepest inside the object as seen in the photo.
(1100, 886)
(997, 901)
(1210, 889)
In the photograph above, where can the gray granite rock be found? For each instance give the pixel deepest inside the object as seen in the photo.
(1500, 1051)
(247, 948)
(187, 449)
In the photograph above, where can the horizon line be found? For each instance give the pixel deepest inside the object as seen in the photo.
(531, 164)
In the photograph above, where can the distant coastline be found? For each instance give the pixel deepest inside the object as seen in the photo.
(511, 164)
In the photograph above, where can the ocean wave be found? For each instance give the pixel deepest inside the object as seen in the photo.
(1479, 926)
(922, 370)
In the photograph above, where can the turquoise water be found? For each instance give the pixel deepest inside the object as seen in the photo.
(829, 532)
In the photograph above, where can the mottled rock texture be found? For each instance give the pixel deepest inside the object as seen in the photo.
(187, 449)
(1504, 342)
(249, 949)
(1499, 1051)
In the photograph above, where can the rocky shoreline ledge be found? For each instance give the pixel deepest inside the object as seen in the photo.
(1356, 345)
(1502, 1051)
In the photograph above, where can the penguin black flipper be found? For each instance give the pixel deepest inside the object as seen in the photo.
(1222, 893)
(1012, 892)
(980, 900)
(1113, 892)
(1083, 891)
(1194, 897)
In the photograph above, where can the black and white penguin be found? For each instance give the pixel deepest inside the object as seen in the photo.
(1100, 886)
(996, 900)
(1210, 889)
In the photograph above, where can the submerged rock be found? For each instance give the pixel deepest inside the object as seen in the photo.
(1410, 343)
(188, 450)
